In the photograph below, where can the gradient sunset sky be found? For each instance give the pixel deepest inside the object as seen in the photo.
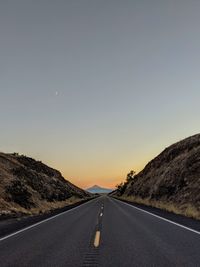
(96, 88)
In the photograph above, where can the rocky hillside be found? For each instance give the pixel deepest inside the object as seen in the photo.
(171, 180)
(30, 187)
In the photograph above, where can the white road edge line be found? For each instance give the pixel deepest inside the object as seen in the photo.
(43, 221)
(161, 218)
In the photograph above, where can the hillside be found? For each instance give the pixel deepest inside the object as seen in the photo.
(31, 187)
(95, 189)
(170, 181)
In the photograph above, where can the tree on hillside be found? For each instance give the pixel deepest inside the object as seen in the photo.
(130, 176)
(122, 186)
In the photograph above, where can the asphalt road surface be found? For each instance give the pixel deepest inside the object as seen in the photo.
(102, 232)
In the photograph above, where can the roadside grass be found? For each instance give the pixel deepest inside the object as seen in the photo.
(41, 207)
(187, 210)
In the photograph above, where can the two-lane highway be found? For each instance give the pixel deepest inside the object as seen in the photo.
(102, 232)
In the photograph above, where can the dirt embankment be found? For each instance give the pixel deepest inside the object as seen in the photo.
(171, 181)
(28, 186)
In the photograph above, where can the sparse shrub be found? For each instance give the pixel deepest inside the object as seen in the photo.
(19, 194)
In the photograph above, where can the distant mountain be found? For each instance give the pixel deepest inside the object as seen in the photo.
(98, 190)
(170, 181)
(28, 186)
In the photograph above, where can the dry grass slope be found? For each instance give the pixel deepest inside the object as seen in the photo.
(171, 181)
(30, 187)
(186, 209)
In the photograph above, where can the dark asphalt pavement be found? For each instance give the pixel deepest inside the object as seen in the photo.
(128, 237)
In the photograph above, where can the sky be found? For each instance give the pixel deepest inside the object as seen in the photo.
(95, 88)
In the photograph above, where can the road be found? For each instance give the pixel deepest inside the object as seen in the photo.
(102, 232)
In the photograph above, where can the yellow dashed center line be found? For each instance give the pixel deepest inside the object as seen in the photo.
(97, 239)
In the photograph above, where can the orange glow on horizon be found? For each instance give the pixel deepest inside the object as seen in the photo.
(86, 181)
(105, 173)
